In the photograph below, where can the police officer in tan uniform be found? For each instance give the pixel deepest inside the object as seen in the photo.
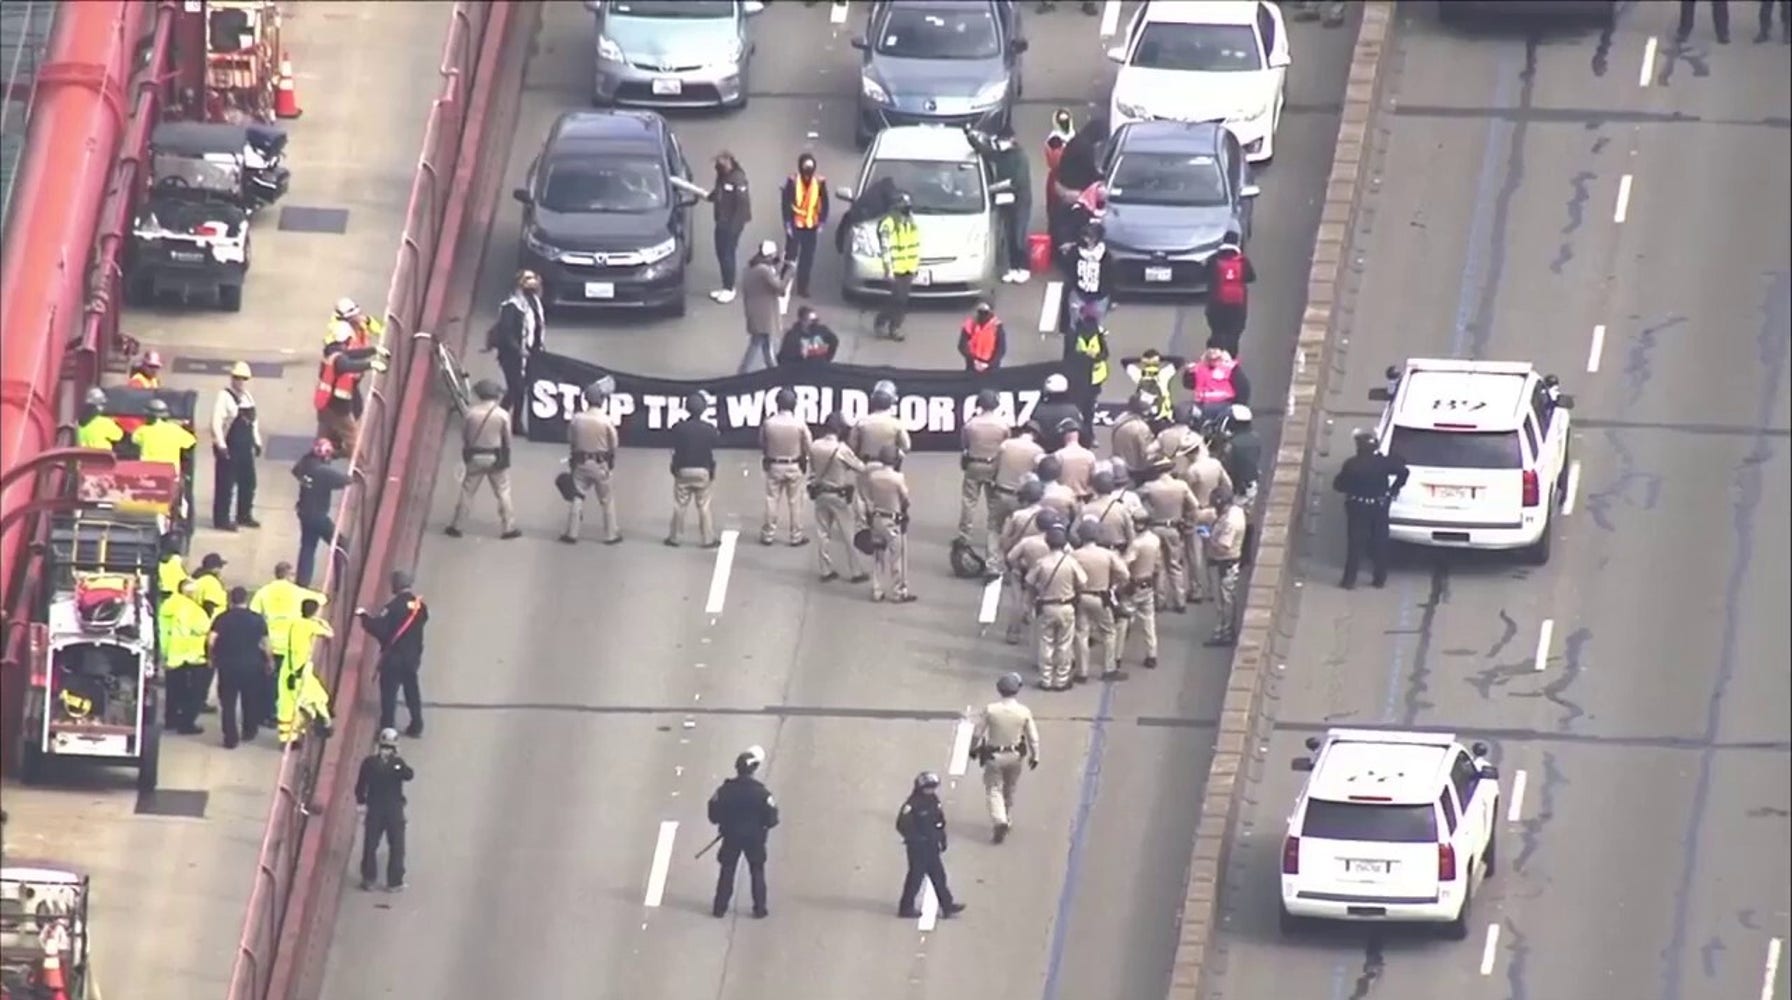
(1113, 517)
(1172, 508)
(1018, 559)
(1057, 498)
(1204, 475)
(1054, 583)
(833, 483)
(981, 439)
(1076, 463)
(1006, 738)
(485, 453)
(591, 436)
(886, 506)
(880, 428)
(1097, 604)
(784, 443)
(1179, 442)
(1016, 458)
(1224, 528)
(1132, 435)
(1144, 564)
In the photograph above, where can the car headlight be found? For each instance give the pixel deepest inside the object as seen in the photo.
(864, 244)
(607, 49)
(873, 90)
(991, 94)
(1130, 110)
(534, 242)
(659, 251)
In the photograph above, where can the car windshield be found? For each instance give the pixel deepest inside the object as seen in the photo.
(1166, 179)
(1199, 48)
(1373, 821)
(673, 8)
(927, 32)
(937, 188)
(604, 184)
(1457, 449)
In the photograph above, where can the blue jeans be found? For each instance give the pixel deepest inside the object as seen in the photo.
(756, 342)
(1080, 305)
(312, 531)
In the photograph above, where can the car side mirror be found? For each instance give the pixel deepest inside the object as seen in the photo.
(843, 193)
(522, 195)
(858, 42)
(1312, 743)
(1018, 46)
(1004, 198)
(1301, 764)
(1390, 373)
(1117, 54)
(1249, 191)
(1380, 394)
(1564, 401)
(1488, 772)
(752, 7)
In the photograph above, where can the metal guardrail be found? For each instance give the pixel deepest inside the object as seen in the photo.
(293, 803)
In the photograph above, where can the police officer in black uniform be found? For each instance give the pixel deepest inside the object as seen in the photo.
(922, 824)
(1369, 480)
(744, 813)
(398, 628)
(380, 788)
(1057, 404)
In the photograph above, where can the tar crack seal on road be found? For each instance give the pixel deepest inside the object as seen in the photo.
(1580, 188)
(1419, 681)
(1374, 964)
(1639, 360)
(1481, 328)
(1630, 486)
(1520, 947)
(1530, 830)
(1574, 648)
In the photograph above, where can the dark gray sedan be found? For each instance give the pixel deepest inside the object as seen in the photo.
(1174, 190)
(938, 62)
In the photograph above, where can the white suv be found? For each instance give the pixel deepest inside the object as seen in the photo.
(1392, 826)
(1487, 443)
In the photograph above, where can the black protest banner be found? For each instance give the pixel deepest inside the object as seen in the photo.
(933, 404)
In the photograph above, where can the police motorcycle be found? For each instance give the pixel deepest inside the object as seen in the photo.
(190, 238)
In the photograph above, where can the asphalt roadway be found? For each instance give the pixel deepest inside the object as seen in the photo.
(582, 698)
(1622, 223)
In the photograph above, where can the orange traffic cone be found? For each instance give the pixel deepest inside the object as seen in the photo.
(286, 97)
(54, 940)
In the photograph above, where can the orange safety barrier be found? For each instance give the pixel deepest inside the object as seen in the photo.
(285, 932)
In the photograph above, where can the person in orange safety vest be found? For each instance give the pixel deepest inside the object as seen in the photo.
(147, 373)
(805, 209)
(982, 340)
(338, 398)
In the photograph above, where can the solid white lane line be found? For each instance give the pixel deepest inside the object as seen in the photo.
(838, 14)
(961, 745)
(1771, 980)
(718, 580)
(1598, 348)
(1516, 808)
(992, 599)
(1648, 70)
(1491, 952)
(930, 908)
(1543, 636)
(1622, 212)
(662, 863)
(1110, 18)
(1573, 488)
(1049, 309)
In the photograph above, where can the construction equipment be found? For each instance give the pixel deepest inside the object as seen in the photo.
(44, 936)
(130, 406)
(236, 80)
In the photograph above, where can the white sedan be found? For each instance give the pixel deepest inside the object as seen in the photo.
(1221, 61)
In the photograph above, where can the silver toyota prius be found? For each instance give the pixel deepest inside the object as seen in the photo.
(673, 53)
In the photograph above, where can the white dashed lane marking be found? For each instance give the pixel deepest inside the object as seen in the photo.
(1544, 636)
(1622, 211)
(718, 580)
(662, 863)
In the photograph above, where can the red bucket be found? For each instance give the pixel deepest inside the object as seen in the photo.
(1039, 252)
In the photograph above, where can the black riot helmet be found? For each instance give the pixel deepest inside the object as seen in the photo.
(836, 424)
(1031, 491)
(1048, 519)
(1102, 481)
(786, 399)
(1366, 441)
(1049, 469)
(987, 400)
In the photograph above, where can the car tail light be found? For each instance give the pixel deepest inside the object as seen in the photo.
(1291, 856)
(1446, 863)
(1532, 495)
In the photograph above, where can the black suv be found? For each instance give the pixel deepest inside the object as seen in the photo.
(603, 223)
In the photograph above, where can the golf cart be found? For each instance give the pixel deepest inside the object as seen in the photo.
(129, 407)
(94, 648)
(191, 235)
(43, 932)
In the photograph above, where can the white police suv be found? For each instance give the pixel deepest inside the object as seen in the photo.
(1391, 826)
(1487, 443)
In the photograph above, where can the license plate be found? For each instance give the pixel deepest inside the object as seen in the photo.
(923, 277)
(186, 255)
(600, 290)
(667, 88)
(1355, 867)
(1453, 492)
(1157, 274)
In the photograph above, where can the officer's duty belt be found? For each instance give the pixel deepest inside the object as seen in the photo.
(1145, 584)
(1067, 600)
(581, 457)
(1012, 749)
(784, 461)
(979, 461)
(1006, 490)
(839, 491)
(484, 451)
(1373, 501)
(1091, 593)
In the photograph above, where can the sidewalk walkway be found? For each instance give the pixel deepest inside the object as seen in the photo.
(171, 876)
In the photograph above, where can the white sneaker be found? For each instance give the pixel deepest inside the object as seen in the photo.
(1021, 276)
(723, 295)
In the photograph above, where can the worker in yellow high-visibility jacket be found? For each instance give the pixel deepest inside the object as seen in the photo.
(162, 439)
(300, 698)
(183, 626)
(278, 602)
(96, 429)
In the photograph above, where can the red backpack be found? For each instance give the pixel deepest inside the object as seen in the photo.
(1228, 280)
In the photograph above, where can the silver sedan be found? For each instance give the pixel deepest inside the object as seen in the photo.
(673, 53)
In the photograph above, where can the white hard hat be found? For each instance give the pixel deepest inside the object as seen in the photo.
(1057, 383)
(1241, 413)
(346, 308)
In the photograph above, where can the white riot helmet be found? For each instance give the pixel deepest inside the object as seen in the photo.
(1056, 382)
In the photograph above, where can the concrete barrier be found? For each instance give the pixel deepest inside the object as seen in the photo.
(1269, 605)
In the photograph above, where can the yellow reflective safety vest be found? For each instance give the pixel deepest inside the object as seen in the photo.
(901, 238)
(1090, 345)
(184, 625)
(170, 574)
(101, 432)
(163, 441)
(209, 591)
(278, 602)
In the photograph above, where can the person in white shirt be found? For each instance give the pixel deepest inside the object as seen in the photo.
(236, 444)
